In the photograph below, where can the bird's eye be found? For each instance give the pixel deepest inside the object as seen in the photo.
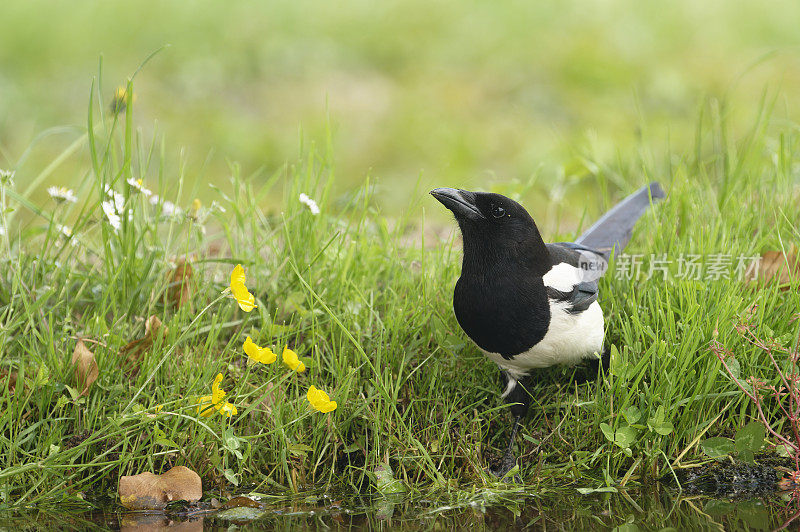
(498, 211)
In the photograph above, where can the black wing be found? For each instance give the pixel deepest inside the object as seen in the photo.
(579, 299)
(612, 232)
(572, 253)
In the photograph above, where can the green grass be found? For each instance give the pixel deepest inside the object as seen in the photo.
(366, 300)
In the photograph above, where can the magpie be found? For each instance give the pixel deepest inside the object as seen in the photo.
(527, 304)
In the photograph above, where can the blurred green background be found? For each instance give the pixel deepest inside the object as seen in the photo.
(416, 94)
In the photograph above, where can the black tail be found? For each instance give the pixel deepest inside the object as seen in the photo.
(613, 230)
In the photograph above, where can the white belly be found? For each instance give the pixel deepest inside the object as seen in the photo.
(570, 339)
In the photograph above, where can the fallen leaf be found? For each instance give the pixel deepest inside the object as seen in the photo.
(272, 396)
(179, 290)
(152, 326)
(783, 268)
(134, 350)
(10, 377)
(385, 481)
(242, 501)
(86, 370)
(240, 515)
(148, 491)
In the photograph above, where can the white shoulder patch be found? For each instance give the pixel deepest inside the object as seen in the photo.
(563, 277)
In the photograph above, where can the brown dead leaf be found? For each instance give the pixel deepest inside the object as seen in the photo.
(148, 491)
(134, 350)
(242, 502)
(179, 290)
(10, 377)
(152, 326)
(86, 370)
(783, 268)
(271, 397)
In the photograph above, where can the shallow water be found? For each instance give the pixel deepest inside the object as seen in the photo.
(656, 509)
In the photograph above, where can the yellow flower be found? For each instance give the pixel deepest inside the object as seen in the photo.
(291, 360)
(255, 353)
(120, 100)
(204, 406)
(196, 204)
(208, 404)
(217, 393)
(320, 400)
(239, 290)
(226, 409)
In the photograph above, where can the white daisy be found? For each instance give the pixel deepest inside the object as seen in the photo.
(66, 232)
(310, 203)
(117, 200)
(138, 184)
(2, 230)
(62, 194)
(167, 207)
(111, 213)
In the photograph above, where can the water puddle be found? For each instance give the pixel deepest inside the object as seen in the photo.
(655, 509)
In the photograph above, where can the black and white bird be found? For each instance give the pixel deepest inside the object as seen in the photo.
(527, 304)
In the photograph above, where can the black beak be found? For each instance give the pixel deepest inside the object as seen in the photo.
(461, 202)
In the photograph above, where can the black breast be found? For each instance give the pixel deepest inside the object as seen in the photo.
(506, 316)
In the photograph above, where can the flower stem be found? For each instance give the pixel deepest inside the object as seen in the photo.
(170, 350)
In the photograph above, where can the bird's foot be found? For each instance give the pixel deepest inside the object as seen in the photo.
(502, 467)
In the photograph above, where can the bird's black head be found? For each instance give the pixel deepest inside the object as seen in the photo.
(494, 228)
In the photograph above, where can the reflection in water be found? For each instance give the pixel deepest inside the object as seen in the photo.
(141, 522)
(559, 510)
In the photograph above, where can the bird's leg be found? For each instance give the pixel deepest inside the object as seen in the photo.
(520, 399)
(509, 459)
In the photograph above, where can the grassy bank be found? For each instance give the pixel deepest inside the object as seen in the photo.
(366, 302)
